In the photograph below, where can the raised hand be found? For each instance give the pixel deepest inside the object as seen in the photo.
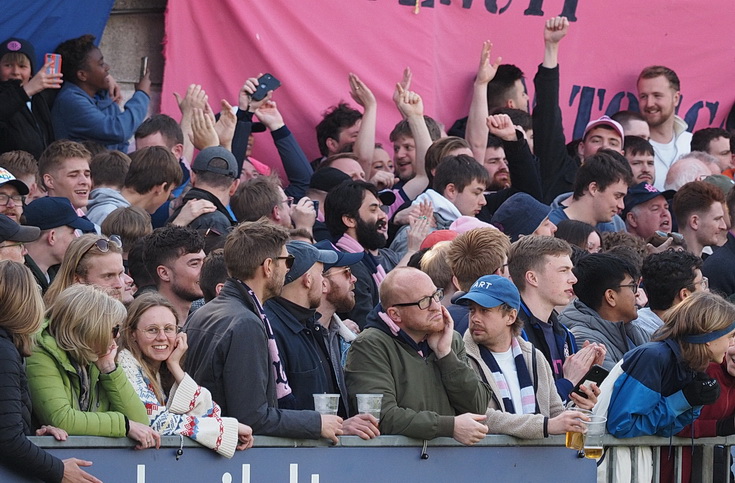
(225, 126)
(500, 125)
(245, 98)
(409, 103)
(203, 134)
(486, 72)
(269, 115)
(405, 83)
(555, 29)
(360, 92)
(42, 81)
(195, 98)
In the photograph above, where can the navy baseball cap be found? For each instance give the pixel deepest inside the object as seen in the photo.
(53, 212)
(305, 256)
(344, 259)
(11, 231)
(490, 291)
(641, 193)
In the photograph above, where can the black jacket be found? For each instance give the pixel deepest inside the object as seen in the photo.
(219, 220)
(21, 128)
(228, 354)
(558, 168)
(15, 405)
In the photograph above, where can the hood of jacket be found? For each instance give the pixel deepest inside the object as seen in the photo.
(442, 206)
(106, 196)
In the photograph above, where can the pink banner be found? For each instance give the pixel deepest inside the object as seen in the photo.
(312, 45)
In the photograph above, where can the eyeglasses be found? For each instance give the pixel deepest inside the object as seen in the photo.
(678, 237)
(289, 259)
(425, 302)
(103, 244)
(9, 245)
(704, 282)
(346, 270)
(153, 331)
(116, 331)
(632, 286)
(17, 199)
(288, 201)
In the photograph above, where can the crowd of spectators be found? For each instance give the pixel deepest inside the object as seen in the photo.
(156, 279)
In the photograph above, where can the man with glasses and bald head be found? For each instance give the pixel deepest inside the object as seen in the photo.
(410, 353)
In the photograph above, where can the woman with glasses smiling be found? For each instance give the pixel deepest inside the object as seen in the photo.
(153, 348)
(74, 381)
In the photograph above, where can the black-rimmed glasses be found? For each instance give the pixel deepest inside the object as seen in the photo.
(424, 302)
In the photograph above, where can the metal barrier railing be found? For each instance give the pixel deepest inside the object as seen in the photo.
(549, 453)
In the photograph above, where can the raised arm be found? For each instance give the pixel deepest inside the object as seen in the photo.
(195, 97)
(411, 108)
(365, 143)
(476, 133)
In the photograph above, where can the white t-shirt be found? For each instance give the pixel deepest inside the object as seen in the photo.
(507, 365)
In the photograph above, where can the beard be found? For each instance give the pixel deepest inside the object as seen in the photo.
(187, 294)
(368, 235)
(498, 183)
(342, 302)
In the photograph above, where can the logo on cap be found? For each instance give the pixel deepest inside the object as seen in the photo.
(480, 284)
(14, 45)
(5, 176)
(650, 188)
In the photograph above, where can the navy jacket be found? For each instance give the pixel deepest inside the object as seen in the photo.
(303, 353)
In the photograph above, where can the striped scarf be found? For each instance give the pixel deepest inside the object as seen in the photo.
(528, 398)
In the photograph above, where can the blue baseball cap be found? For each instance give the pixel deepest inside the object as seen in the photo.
(305, 256)
(53, 212)
(490, 291)
(344, 259)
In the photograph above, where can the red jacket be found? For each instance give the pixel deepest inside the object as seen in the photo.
(723, 410)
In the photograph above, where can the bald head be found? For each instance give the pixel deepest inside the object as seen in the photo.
(399, 285)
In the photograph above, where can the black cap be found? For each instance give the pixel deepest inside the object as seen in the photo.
(11, 231)
(326, 179)
(22, 46)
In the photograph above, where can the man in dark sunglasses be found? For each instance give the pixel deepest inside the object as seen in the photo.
(232, 350)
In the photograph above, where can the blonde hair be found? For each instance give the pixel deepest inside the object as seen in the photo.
(700, 313)
(160, 381)
(435, 264)
(81, 320)
(22, 307)
(76, 263)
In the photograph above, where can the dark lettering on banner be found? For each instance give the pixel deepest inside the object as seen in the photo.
(534, 7)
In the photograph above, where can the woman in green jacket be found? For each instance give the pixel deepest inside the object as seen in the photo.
(74, 381)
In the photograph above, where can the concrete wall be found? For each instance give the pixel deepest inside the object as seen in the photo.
(135, 29)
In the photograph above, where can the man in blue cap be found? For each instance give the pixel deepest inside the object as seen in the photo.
(524, 402)
(302, 348)
(338, 296)
(59, 224)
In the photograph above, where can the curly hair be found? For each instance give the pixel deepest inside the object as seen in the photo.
(75, 52)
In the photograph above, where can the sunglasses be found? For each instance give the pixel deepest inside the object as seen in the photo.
(103, 244)
(289, 259)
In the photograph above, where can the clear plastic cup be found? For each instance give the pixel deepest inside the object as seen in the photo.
(575, 440)
(326, 403)
(593, 438)
(369, 404)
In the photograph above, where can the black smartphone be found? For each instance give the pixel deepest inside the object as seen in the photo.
(596, 374)
(266, 83)
(316, 205)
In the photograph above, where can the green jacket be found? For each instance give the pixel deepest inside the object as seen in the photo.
(55, 385)
(421, 395)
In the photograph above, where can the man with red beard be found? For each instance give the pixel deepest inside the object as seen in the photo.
(658, 96)
(496, 165)
(353, 213)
